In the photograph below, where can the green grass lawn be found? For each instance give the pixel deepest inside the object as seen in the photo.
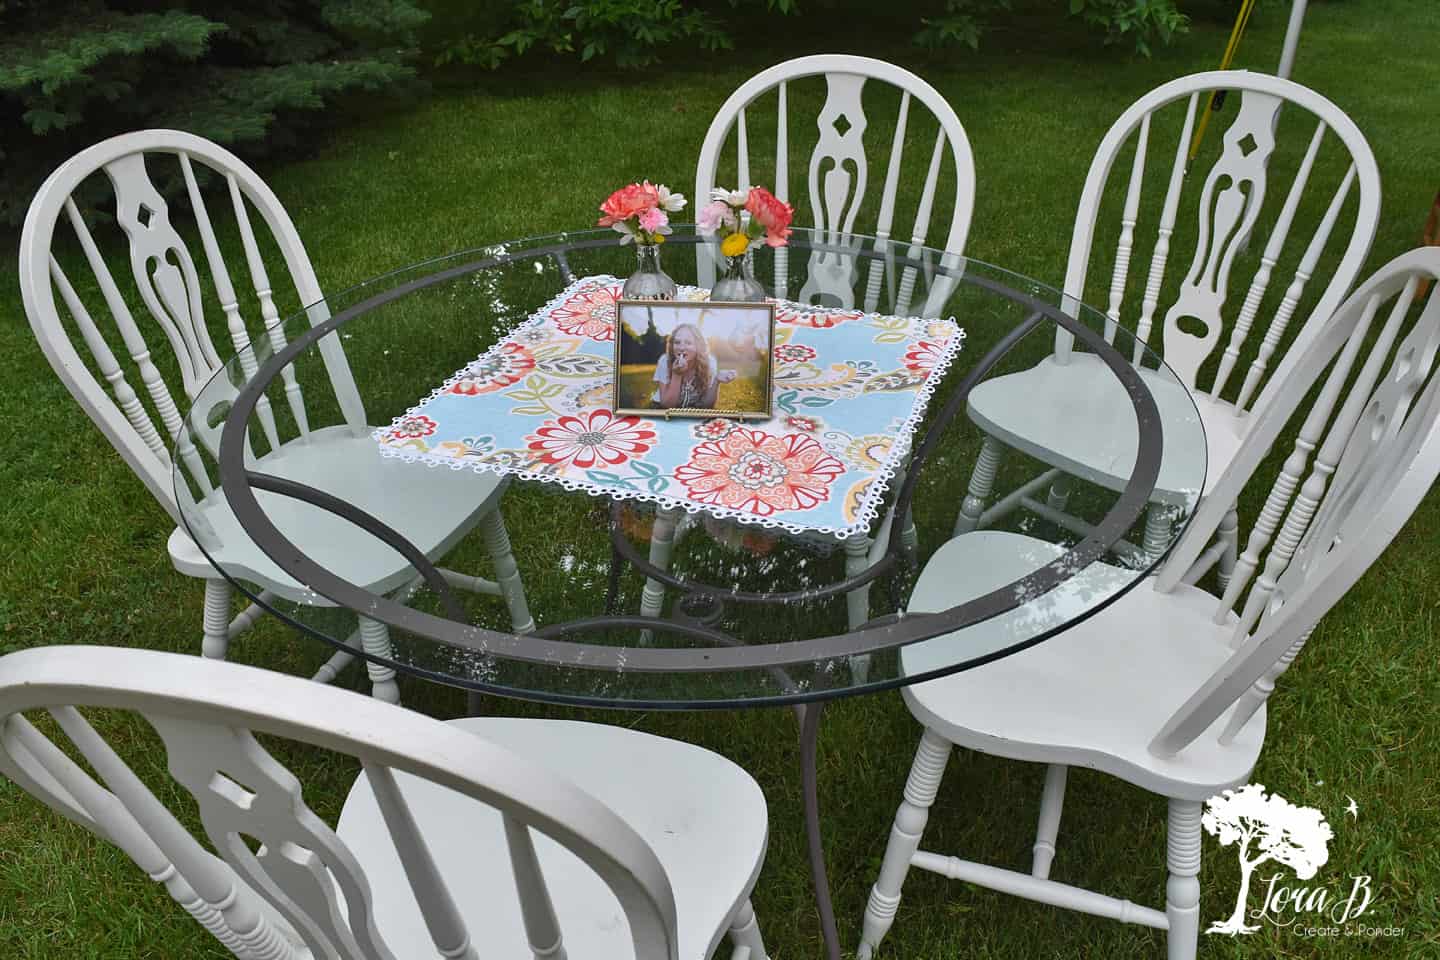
(82, 545)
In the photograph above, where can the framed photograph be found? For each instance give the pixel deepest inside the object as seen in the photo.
(694, 359)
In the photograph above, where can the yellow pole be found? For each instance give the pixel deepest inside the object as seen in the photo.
(1218, 97)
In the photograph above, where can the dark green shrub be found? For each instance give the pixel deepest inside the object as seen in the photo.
(635, 33)
(73, 72)
(629, 33)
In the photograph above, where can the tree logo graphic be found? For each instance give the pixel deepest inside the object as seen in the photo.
(1265, 827)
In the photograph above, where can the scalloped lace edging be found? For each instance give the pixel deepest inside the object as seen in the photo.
(867, 511)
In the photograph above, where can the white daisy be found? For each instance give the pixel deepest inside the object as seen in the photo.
(733, 198)
(670, 202)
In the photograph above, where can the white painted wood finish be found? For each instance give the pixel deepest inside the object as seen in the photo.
(339, 458)
(479, 837)
(1209, 300)
(1167, 687)
(838, 175)
(837, 179)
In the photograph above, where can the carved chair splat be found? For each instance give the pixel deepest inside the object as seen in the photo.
(1336, 173)
(838, 174)
(142, 413)
(1167, 687)
(656, 869)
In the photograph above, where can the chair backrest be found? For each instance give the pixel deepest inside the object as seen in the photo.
(164, 276)
(1227, 215)
(838, 172)
(276, 900)
(1366, 452)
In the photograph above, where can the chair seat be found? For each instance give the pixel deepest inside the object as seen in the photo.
(1095, 694)
(1077, 416)
(704, 817)
(442, 507)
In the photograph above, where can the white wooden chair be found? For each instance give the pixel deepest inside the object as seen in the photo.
(837, 179)
(838, 175)
(1166, 688)
(484, 836)
(340, 458)
(1017, 411)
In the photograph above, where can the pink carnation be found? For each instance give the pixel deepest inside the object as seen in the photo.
(628, 202)
(715, 215)
(653, 219)
(771, 213)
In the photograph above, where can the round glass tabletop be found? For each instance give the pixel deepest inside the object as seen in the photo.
(476, 470)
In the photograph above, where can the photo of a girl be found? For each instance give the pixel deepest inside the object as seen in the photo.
(693, 357)
(688, 375)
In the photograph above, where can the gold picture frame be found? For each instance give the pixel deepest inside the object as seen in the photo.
(735, 338)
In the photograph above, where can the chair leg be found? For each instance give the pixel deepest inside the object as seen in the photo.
(338, 661)
(1159, 529)
(745, 933)
(982, 481)
(375, 640)
(1182, 890)
(909, 538)
(1229, 534)
(857, 561)
(1052, 800)
(217, 618)
(662, 543)
(1059, 495)
(507, 574)
(910, 819)
(248, 617)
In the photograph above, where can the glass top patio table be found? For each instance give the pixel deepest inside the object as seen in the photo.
(758, 612)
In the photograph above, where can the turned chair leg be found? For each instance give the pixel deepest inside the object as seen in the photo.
(857, 561)
(217, 619)
(1059, 496)
(910, 819)
(1159, 529)
(1182, 889)
(375, 640)
(909, 538)
(1229, 534)
(662, 544)
(1052, 800)
(745, 933)
(507, 574)
(982, 482)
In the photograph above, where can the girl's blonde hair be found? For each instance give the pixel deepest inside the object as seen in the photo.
(701, 371)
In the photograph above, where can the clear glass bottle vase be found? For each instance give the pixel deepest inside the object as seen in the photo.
(738, 284)
(648, 282)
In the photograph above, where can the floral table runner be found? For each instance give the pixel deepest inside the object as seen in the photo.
(850, 389)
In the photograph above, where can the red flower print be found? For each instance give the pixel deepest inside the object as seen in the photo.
(815, 317)
(413, 427)
(589, 313)
(592, 438)
(756, 472)
(498, 370)
(801, 422)
(923, 355)
(794, 353)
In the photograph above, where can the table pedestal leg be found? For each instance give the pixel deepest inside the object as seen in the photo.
(809, 733)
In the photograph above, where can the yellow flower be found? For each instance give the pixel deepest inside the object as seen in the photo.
(735, 244)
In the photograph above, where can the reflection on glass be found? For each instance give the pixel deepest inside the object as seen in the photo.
(774, 593)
